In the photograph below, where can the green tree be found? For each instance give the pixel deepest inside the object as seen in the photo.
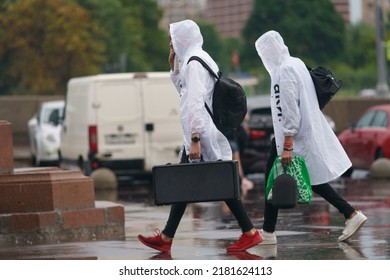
(45, 43)
(312, 30)
(211, 41)
(132, 36)
(360, 47)
(5, 60)
(230, 45)
(357, 67)
(155, 41)
(220, 49)
(111, 17)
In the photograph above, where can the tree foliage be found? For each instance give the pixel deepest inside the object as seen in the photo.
(219, 48)
(154, 41)
(312, 30)
(111, 18)
(212, 42)
(360, 47)
(133, 39)
(44, 43)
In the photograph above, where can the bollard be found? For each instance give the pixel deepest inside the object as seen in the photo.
(104, 178)
(6, 148)
(380, 168)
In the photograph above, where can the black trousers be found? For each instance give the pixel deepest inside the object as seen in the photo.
(178, 209)
(324, 190)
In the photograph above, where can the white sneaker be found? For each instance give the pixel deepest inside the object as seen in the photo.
(268, 238)
(268, 252)
(350, 252)
(352, 226)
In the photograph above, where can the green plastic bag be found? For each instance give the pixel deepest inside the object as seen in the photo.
(299, 171)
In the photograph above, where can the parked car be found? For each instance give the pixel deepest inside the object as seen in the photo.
(260, 129)
(44, 130)
(260, 132)
(368, 139)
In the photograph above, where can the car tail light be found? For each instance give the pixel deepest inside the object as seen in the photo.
(95, 165)
(92, 138)
(257, 134)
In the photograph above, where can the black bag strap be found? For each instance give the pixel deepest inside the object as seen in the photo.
(205, 66)
(285, 168)
(197, 58)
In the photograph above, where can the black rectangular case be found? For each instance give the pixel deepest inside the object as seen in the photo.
(196, 182)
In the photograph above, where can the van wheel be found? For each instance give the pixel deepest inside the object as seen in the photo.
(85, 167)
(80, 164)
(37, 159)
(33, 160)
(59, 162)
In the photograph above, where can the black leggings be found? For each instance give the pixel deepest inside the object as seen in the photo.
(177, 212)
(235, 205)
(324, 190)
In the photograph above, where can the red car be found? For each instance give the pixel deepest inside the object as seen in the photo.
(369, 139)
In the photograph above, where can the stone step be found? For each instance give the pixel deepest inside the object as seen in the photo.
(45, 189)
(46, 205)
(104, 222)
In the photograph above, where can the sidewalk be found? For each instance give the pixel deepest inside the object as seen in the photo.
(304, 233)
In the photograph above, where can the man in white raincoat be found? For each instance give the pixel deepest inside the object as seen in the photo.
(201, 137)
(301, 129)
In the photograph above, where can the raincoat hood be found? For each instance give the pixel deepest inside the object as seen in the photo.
(271, 49)
(186, 37)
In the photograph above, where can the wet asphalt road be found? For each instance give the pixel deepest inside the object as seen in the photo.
(304, 233)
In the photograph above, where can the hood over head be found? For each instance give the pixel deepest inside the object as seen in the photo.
(185, 36)
(271, 49)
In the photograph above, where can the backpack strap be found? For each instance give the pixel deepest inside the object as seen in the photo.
(197, 58)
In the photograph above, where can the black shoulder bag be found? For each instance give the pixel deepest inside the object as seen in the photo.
(325, 84)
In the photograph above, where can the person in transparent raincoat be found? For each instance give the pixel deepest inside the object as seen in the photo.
(301, 129)
(200, 135)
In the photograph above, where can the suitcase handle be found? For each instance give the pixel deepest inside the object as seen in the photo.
(195, 160)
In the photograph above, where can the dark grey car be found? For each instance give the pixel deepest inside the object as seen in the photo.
(260, 133)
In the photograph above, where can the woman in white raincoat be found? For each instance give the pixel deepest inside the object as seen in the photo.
(201, 137)
(301, 129)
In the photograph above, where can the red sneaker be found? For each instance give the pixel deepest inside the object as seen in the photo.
(156, 242)
(245, 242)
(162, 256)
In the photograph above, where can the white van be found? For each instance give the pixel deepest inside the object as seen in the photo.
(125, 122)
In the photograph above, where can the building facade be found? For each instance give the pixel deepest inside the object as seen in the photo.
(229, 16)
(177, 10)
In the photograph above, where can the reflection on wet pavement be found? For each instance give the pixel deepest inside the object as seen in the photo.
(305, 232)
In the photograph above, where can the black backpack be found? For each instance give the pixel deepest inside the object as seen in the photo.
(229, 102)
(325, 84)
